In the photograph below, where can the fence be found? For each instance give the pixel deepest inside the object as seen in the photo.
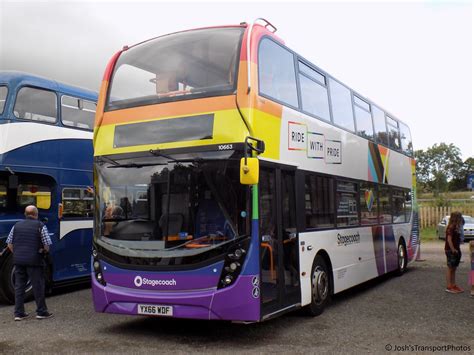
(431, 216)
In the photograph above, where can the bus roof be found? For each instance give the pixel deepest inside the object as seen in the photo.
(16, 79)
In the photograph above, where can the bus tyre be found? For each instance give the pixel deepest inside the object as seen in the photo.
(320, 287)
(402, 258)
(8, 282)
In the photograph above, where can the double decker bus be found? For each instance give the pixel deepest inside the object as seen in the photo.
(46, 160)
(236, 180)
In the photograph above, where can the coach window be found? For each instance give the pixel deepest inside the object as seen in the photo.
(77, 202)
(341, 105)
(3, 194)
(379, 125)
(405, 137)
(363, 118)
(346, 202)
(393, 133)
(36, 105)
(385, 205)
(32, 194)
(3, 97)
(314, 95)
(319, 202)
(276, 71)
(368, 203)
(77, 112)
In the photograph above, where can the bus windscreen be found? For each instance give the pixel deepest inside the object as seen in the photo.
(179, 66)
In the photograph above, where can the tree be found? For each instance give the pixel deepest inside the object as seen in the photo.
(459, 182)
(439, 165)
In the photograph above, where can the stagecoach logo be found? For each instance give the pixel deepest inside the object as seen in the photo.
(348, 239)
(139, 281)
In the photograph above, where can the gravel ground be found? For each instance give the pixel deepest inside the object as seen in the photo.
(397, 313)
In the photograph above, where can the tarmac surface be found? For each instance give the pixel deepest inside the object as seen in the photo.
(406, 314)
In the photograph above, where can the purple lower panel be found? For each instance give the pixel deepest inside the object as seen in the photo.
(98, 295)
(238, 302)
(233, 303)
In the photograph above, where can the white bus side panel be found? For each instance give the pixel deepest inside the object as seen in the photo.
(356, 255)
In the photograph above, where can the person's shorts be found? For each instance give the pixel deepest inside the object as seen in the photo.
(453, 259)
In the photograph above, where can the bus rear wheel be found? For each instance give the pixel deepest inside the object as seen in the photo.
(402, 258)
(320, 287)
(7, 280)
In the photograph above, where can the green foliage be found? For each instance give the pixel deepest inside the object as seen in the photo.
(428, 233)
(440, 168)
(442, 201)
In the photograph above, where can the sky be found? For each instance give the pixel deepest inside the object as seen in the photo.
(414, 59)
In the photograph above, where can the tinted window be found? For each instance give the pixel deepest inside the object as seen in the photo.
(405, 137)
(379, 125)
(77, 112)
(346, 202)
(3, 194)
(364, 123)
(407, 205)
(368, 203)
(398, 202)
(341, 105)
(319, 202)
(276, 71)
(3, 97)
(385, 206)
(77, 202)
(314, 98)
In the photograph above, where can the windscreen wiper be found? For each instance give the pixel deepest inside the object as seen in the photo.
(135, 165)
(158, 153)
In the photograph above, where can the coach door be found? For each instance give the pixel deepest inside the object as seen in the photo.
(279, 240)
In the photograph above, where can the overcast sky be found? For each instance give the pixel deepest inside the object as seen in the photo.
(414, 59)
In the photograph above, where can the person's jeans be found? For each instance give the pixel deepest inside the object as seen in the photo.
(36, 275)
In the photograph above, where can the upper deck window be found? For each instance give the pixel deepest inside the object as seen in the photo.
(178, 66)
(341, 105)
(276, 73)
(379, 125)
(405, 137)
(77, 112)
(36, 105)
(314, 95)
(3, 97)
(363, 118)
(393, 134)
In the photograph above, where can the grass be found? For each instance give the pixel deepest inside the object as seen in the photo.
(428, 234)
(447, 195)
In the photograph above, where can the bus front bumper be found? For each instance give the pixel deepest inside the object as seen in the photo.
(239, 302)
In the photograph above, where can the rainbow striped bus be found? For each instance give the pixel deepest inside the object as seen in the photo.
(235, 180)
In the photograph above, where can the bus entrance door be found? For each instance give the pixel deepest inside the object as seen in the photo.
(279, 240)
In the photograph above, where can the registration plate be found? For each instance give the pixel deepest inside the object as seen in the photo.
(155, 310)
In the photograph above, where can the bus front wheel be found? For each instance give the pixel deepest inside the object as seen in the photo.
(320, 287)
(7, 279)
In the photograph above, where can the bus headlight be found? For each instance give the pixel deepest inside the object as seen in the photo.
(233, 263)
(96, 265)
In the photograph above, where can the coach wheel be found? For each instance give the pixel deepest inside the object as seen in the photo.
(8, 282)
(320, 287)
(402, 258)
